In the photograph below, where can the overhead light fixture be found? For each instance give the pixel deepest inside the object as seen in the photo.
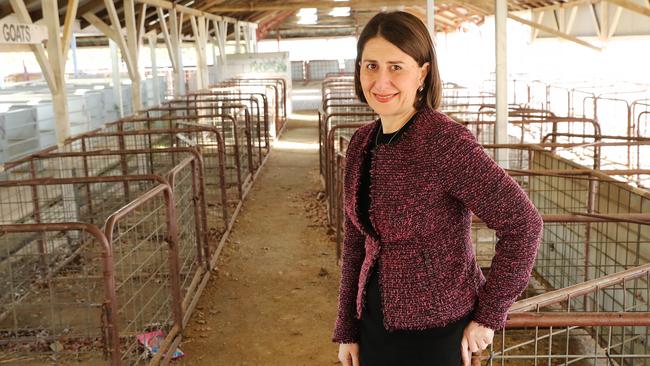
(307, 11)
(340, 11)
(307, 16)
(341, 1)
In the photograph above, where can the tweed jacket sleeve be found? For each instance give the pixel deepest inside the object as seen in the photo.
(346, 329)
(471, 176)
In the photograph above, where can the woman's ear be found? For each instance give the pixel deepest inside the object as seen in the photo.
(424, 70)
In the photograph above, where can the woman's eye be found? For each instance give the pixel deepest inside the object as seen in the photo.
(371, 66)
(395, 67)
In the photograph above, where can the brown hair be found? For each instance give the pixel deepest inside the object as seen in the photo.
(409, 34)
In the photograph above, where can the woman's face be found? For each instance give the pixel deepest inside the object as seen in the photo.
(390, 78)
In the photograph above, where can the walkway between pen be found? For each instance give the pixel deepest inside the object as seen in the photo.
(272, 300)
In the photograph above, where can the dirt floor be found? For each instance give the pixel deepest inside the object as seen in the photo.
(273, 298)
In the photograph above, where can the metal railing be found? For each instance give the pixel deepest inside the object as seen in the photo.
(113, 233)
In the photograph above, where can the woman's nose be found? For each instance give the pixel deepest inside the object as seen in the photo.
(383, 78)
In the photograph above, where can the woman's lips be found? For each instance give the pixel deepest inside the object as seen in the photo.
(384, 98)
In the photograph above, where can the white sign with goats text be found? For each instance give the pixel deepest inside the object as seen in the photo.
(15, 33)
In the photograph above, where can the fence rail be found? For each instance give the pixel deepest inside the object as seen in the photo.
(113, 234)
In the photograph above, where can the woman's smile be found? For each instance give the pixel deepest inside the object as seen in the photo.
(384, 98)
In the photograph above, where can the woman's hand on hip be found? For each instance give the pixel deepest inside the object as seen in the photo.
(349, 354)
(475, 339)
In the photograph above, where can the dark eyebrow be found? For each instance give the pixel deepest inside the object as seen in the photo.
(390, 62)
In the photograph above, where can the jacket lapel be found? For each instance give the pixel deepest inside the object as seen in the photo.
(354, 174)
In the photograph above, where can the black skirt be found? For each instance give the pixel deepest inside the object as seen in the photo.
(438, 346)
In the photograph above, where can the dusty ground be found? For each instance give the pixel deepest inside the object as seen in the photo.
(273, 298)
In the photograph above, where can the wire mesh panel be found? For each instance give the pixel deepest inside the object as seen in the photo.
(182, 167)
(191, 225)
(143, 239)
(623, 157)
(318, 69)
(578, 249)
(337, 140)
(249, 136)
(600, 322)
(260, 111)
(243, 143)
(463, 104)
(275, 90)
(253, 104)
(75, 293)
(185, 178)
(297, 70)
(338, 86)
(339, 106)
(612, 109)
(640, 114)
(205, 138)
(59, 276)
(53, 295)
(594, 227)
(331, 120)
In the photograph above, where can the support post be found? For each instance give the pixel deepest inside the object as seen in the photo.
(57, 62)
(215, 60)
(132, 48)
(152, 40)
(247, 38)
(501, 79)
(254, 37)
(430, 19)
(117, 84)
(237, 37)
(53, 64)
(179, 77)
(74, 56)
(221, 27)
(200, 43)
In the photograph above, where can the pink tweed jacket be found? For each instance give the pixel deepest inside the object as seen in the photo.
(425, 186)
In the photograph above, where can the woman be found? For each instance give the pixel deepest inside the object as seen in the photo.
(411, 292)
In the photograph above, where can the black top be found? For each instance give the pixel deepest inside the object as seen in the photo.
(434, 346)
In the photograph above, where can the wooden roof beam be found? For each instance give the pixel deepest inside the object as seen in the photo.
(479, 9)
(70, 15)
(487, 8)
(272, 23)
(463, 17)
(322, 4)
(104, 28)
(164, 4)
(91, 7)
(554, 32)
(566, 5)
(261, 16)
(421, 13)
(633, 7)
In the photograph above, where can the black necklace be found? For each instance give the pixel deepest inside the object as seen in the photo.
(381, 131)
